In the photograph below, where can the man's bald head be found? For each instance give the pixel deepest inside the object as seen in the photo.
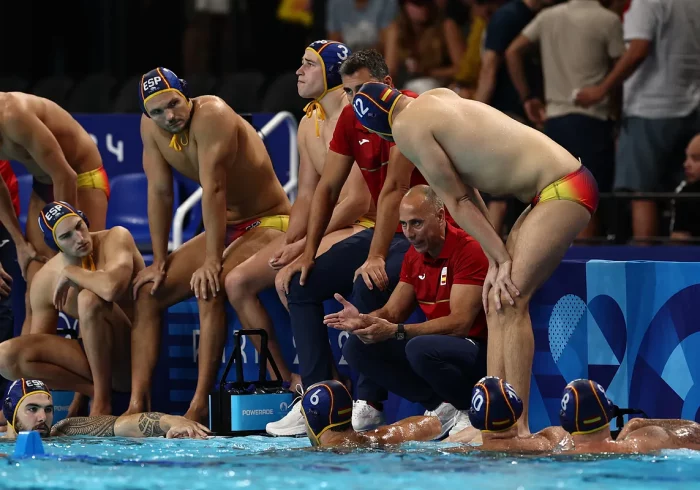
(422, 216)
(691, 165)
(424, 194)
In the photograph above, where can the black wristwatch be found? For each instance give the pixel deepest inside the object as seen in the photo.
(400, 332)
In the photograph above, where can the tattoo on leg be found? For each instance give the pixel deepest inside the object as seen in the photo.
(102, 426)
(149, 424)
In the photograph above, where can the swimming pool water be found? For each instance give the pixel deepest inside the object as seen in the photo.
(258, 462)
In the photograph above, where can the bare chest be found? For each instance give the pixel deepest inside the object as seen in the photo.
(181, 154)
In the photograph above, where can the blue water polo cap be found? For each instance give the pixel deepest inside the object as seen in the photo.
(495, 405)
(585, 407)
(17, 392)
(374, 106)
(326, 405)
(52, 214)
(332, 54)
(157, 81)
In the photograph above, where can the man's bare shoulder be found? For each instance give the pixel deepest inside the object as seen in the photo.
(14, 106)
(44, 279)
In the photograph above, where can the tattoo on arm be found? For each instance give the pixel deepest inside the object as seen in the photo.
(102, 426)
(149, 424)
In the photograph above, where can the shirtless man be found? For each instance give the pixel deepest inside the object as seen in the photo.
(28, 405)
(327, 411)
(495, 411)
(319, 79)
(460, 146)
(243, 205)
(66, 166)
(89, 279)
(586, 412)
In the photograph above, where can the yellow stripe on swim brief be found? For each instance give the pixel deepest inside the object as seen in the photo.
(365, 222)
(277, 222)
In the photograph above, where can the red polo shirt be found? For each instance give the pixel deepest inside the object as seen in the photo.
(8, 175)
(461, 261)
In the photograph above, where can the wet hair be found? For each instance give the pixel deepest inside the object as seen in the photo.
(430, 196)
(366, 58)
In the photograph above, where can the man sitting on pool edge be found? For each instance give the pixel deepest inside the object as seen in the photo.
(28, 406)
(327, 411)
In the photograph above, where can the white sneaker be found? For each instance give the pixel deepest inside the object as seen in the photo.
(447, 414)
(290, 425)
(461, 422)
(365, 416)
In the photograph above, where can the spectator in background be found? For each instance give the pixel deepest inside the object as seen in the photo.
(685, 214)
(579, 41)
(473, 22)
(417, 48)
(8, 256)
(208, 35)
(661, 106)
(359, 24)
(494, 86)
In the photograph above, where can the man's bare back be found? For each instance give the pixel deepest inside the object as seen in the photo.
(252, 188)
(27, 119)
(545, 441)
(48, 276)
(489, 150)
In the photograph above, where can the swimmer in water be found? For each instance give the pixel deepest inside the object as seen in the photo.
(244, 208)
(586, 412)
(496, 410)
(65, 164)
(89, 279)
(327, 411)
(462, 147)
(28, 406)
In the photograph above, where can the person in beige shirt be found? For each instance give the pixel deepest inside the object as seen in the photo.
(579, 42)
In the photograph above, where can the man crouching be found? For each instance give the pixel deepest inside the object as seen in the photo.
(89, 280)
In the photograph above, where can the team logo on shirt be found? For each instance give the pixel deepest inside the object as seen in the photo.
(443, 276)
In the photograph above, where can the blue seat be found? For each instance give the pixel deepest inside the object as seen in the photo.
(128, 206)
(25, 190)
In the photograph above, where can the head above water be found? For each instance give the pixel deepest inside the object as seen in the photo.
(65, 229)
(422, 218)
(496, 407)
(585, 408)
(366, 65)
(27, 406)
(326, 405)
(319, 72)
(374, 106)
(164, 98)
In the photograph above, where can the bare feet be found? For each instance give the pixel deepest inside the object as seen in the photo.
(79, 406)
(137, 405)
(295, 381)
(198, 413)
(100, 409)
(466, 435)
